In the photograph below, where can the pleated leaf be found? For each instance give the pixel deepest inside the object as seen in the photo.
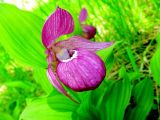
(59, 102)
(86, 110)
(155, 63)
(96, 96)
(57, 107)
(21, 35)
(143, 98)
(155, 66)
(116, 99)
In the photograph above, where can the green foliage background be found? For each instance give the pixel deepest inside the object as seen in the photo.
(130, 90)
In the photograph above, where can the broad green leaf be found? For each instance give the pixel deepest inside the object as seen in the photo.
(57, 107)
(96, 95)
(104, 53)
(40, 75)
(5, 116)
(155, 66)
(109, 63)
(86, 110)
(116, 99)
(143, 98)
(89, 104)
(75, 95)
(107, 56)
(155, 63)
(61, 103)
(21, 35)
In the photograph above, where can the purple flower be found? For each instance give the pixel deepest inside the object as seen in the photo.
(88, 31)
(72, 62)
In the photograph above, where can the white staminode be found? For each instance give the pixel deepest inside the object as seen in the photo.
(75, 54)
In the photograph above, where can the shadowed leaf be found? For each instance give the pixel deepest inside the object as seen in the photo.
(116, 99)
(143, 98)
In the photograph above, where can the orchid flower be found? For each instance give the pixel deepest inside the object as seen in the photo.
(88, 30)
(72, 62)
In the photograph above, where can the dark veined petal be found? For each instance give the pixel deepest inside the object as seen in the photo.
(79, 42)
(57, 24)
(84, 71)
(83, 15)
(89, 31)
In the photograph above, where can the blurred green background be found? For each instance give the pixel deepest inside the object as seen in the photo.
(130, 90)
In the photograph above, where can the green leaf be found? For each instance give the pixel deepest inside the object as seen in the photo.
(57, 107)
(97, 94)
(40, 75)
(132, 59)
(61, 103)
(155, 61)
(21, 35)
(116, 99)
(107, 56)
(104, 53)
(25, 85)
(155, 68)
(86, 111)
(143, 98)
(4, 116)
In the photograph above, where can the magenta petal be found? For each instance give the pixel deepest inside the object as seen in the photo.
(89, 30)
(85, 72)
(59, 23)
(79, 42)
(83, 15)
(52, 77)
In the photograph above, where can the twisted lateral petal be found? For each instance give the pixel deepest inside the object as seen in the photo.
(54, 80)
(89, 31)
(52, 77)
(59, 23)
(85, 72)
(83, 15)
(79, 42)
